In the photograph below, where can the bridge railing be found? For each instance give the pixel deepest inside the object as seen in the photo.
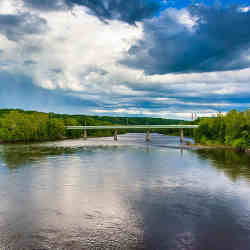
(133, 127)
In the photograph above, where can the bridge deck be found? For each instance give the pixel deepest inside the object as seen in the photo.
(132, 127)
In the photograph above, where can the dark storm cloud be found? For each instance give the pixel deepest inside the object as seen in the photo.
(45, 5)
(218, 42)
(125, 10)
(16, 26)
(129, 11)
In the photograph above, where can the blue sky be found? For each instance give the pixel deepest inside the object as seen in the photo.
(127, 58)
(185, 3)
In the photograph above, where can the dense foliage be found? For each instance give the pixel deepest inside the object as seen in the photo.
(31, 126)
(16, 126)
(232, 129)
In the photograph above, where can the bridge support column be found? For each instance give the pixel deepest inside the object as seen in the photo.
(148, 135)
(116, 135)
(85, 134)
(182, 136)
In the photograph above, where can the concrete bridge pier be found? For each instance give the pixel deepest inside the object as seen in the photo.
(116, 135)
(182, 136)
(85, 134)
(148, 135)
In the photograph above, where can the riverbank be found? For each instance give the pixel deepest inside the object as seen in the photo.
(186, 145)
(57, 140)
(200, 146)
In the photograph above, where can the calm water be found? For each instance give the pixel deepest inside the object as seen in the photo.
(129, 194)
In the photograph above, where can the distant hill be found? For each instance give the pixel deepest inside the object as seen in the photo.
(94, 120)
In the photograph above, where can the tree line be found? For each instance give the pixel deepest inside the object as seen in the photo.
(232, 129)
(31, 126)
(20, 126)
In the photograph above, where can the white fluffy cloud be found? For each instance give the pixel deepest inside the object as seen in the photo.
(79, 55)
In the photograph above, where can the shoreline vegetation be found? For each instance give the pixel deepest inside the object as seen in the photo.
(231, 131)
(225, 131)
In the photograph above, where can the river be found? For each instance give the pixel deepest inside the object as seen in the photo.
(102, 194)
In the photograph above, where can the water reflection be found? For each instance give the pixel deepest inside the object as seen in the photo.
(121, 196)
(234, 164)
(18, 156)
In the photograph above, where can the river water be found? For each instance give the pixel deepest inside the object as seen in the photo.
(101, 194)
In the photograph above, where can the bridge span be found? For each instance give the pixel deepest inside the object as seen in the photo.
(147, 127)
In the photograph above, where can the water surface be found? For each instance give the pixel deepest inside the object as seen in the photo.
(101, 194)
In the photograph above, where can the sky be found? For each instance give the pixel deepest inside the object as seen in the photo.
(157, 58)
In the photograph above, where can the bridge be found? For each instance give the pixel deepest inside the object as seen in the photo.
(147, 127)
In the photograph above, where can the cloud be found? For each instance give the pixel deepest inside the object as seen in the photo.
(84, 51)
(128, 11)
(19, 91)
(45, 5)
(197, 39)
(71, 63)
(14, 27)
